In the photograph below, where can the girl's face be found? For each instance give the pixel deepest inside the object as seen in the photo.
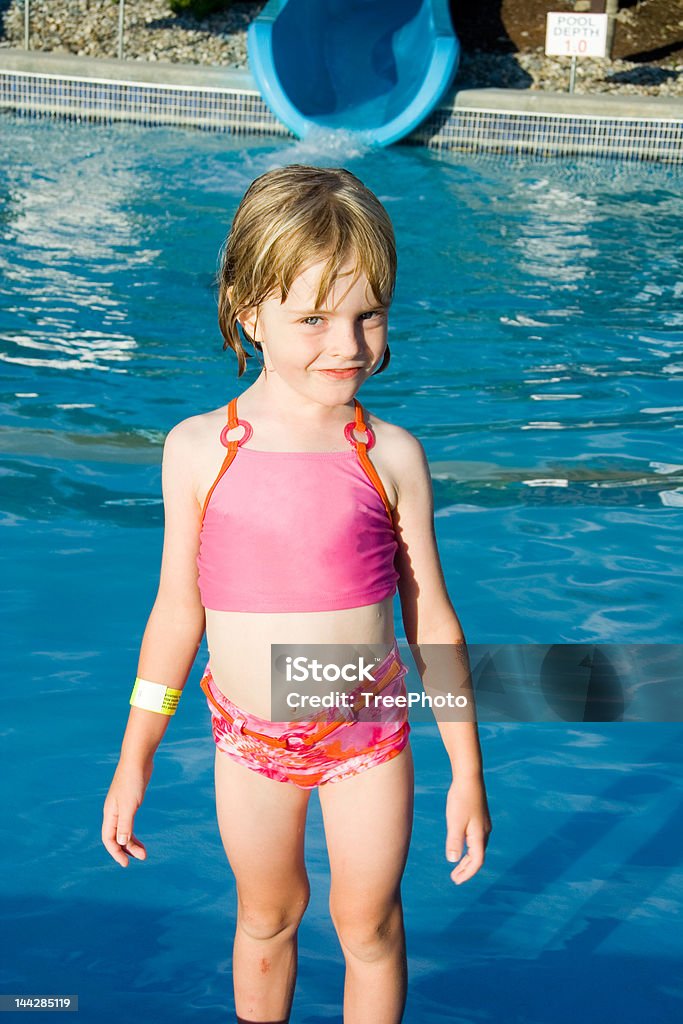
(325, 354)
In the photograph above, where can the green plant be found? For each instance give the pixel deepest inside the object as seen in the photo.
(199, 8)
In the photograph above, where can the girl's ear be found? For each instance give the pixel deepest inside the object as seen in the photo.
(248, 322)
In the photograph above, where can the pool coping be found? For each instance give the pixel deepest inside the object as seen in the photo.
(226, 99)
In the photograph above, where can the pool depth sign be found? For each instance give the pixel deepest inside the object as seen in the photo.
(576, 35)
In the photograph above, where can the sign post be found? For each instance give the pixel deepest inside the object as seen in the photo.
(575, 35)
(120, 39)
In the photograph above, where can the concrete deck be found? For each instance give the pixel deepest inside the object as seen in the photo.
(66, 65)
(240, 79)
(571, 104)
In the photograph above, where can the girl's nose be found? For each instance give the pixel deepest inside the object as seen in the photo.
(347, 340)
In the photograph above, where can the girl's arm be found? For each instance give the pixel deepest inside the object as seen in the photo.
(175, 627)
(438, 644)
(170, 642)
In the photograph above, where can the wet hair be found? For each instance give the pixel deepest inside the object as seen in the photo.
(290, 218)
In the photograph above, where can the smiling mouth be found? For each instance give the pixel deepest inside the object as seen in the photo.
(351, 371)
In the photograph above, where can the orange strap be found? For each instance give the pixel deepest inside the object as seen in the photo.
(231, 453)
(364, 459)
(360, 446)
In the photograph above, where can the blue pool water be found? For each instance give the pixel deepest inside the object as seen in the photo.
(537, 351)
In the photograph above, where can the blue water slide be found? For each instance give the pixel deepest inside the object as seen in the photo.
(377, 67)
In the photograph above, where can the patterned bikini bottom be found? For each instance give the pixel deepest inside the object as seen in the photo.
(328, 747)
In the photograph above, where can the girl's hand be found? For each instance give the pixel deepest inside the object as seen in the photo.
(125, 795)
(467, 820)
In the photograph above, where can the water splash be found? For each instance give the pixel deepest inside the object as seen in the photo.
(326, 144)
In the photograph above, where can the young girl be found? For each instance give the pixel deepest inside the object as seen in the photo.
(281, 529)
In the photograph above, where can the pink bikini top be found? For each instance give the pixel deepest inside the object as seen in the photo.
(296, 531)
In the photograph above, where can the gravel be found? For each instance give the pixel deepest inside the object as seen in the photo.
(89, 28)
(152, 33)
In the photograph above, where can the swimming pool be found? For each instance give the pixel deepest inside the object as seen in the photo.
(537, 352)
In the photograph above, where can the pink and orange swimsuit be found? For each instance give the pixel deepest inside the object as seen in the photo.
(297, 532)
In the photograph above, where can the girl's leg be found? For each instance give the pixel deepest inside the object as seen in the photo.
(368, 821)
(262, 825)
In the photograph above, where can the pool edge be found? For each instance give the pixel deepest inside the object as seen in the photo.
(500, 121)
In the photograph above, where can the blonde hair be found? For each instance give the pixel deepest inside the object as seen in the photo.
(288, 219)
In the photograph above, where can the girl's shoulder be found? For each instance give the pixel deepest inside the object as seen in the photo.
(199, 427)
(398, 452)
(193, 451)
(196, 439)
(395, 441)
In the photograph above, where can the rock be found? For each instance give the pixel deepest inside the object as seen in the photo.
(90, 28)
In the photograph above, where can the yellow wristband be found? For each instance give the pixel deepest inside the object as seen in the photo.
(154, 697)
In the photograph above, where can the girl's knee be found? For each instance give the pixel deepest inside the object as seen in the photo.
(366, 933)
(268, 920)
